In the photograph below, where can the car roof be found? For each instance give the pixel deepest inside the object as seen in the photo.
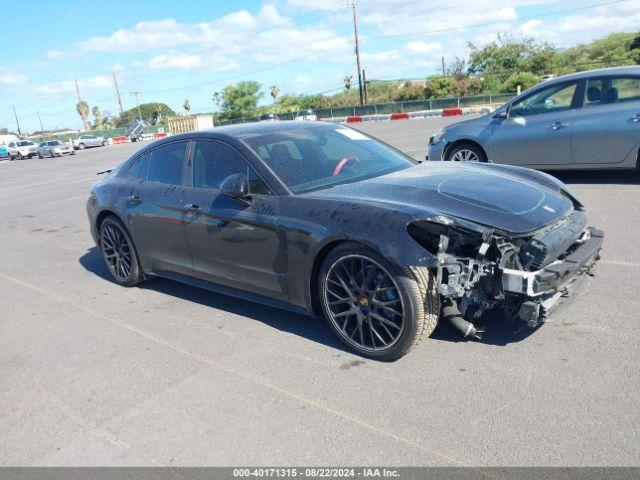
(600, 72)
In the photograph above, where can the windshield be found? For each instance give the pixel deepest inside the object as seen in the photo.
(56, 142)
(308, 159)
(24, 144)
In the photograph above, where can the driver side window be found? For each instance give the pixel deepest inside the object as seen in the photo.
(215, 161)
(555, 98)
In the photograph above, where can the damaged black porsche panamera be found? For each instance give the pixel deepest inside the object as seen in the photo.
(321, 218)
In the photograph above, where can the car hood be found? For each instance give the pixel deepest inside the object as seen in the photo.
(510, 200)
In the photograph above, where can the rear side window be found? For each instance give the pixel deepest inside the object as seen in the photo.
(166, 164)
(605, 91)
(140, 167)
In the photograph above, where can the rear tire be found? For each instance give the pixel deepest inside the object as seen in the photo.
(379, 302)
(105, 143)
(466, 152)
(119, 252)
(39, 155)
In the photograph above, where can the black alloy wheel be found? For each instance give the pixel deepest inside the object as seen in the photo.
(119, 253)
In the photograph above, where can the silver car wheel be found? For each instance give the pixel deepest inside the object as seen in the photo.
(465, 155)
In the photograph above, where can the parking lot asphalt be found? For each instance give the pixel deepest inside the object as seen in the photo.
(164, 374)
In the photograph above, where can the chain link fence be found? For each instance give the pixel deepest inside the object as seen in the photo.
(391, 107)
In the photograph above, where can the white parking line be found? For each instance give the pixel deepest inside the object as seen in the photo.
(622, 263)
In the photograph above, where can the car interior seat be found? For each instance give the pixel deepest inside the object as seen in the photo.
(610, 95)
(594, 94)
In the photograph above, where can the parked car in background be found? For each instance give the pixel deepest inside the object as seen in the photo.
(268, 117)
(307, 114)
(586, 120)
(88, 140)
(21, 149)
(54, 148)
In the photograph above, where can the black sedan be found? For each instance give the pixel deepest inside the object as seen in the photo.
(320, 218)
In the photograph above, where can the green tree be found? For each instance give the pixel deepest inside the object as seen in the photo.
(524, 79)
(97, 115)
(150, 112)
(241, 99)
(507, 55)
(438, 86)
(617, 49)
(82, 108)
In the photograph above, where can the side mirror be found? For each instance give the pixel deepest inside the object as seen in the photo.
(236, 186)
(502, 114)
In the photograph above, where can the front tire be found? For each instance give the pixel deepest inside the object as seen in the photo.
(119, 252)
(466, 152)
(20, 157)
(376, 308)
(81, 146)
(105, 143)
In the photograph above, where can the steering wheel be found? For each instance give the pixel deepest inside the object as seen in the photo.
(342, 163)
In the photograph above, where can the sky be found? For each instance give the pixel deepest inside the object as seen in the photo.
(172, 50)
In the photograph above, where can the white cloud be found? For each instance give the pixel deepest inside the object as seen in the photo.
(302, 79)
(423, 48)
(306, 5)
(175, 61)
(168, 33)
(55, 54)
(12, 79)
(66, 86)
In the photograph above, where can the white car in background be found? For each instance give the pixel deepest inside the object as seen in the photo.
(308, 115)
(21, 149)
(88, 140)
(54, 148)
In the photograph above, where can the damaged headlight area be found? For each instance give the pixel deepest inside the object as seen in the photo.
(478, 269)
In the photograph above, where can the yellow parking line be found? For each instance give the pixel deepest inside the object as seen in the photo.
(318, 404)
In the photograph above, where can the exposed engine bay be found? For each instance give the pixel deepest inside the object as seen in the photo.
(525, 275)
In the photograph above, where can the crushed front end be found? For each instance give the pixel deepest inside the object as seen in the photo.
(479, 269)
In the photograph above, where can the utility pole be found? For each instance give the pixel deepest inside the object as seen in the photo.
(353, 4)
(17, 122)
(135, 94)
(443, 69)
(364, 85)
(41, 127)
(115, 82)
(77, 89)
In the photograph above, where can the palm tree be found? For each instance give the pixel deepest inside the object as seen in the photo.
(186, 105)
(97, 115)
(274, 92)
(82, 108)
(216, 100)
(347, 82)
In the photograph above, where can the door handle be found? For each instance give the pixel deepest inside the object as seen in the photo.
(635, 118)
(134, 199)
(193, 208)
(558, 125)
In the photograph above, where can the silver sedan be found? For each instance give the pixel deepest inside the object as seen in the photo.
(54, 148)
(587, 120)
